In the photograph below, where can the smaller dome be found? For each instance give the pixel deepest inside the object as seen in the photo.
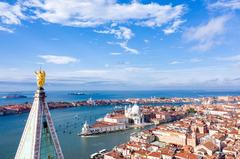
(135, 109)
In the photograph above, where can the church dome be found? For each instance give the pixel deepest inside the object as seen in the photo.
(135, 109)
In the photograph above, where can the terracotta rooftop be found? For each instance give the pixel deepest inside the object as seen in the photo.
(155, 154)
(186, 155)
(211, 146)
(104, 124)
(114, 154)
(116, 116)
(142, 152)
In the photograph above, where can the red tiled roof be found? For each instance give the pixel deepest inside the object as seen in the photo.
(155, 154)
(104, 124)
(211, 146)
(186, 155)
(114, 154)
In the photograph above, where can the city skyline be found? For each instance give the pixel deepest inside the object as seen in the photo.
(120, 45)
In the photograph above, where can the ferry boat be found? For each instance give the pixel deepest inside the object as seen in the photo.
(94, 155)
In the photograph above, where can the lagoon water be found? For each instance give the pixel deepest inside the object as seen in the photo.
(68, 122)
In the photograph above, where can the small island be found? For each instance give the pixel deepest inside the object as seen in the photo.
(14, 96)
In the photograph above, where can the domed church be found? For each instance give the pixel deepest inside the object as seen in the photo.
(134, 113)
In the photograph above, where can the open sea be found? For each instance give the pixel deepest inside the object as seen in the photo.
(68, 121)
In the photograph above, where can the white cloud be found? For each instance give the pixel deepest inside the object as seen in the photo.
(92, 13)
(146, 41)
(138, 69)
(6, 29)
(206, 35)
(58, 59)
(175, 62)
(124, 45)
(124, 34)
(225, 4)
(192, 60)
(173, 27)
(195, 60)
(121, 33)
(87, 13)
(222, 76)
(115, 53)
(10, 14)
(235, 58)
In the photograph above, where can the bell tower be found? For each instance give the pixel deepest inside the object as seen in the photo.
(39, 139)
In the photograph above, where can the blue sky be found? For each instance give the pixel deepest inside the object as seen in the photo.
(120, 44)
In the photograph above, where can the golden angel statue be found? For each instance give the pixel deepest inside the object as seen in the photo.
(40, 78)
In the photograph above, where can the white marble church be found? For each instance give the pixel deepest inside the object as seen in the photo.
(115, 121)
(134, 113)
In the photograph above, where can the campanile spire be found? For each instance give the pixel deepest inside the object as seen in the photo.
(39, 139)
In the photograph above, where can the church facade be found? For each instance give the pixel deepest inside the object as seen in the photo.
(134, 114)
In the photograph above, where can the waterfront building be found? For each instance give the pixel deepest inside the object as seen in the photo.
(115, 121)
(134, 114)
(116, 118)
(39, 139)
(102, 127)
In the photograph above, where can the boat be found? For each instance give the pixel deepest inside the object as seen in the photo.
(102, 151)
(94, 155)
(77, 93)
(14, 96)
(98, 154)
(118, 107)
